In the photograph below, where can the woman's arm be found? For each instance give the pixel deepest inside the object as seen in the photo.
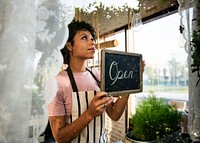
(116, 109)
(64, 133)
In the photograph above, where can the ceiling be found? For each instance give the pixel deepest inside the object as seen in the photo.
(109, 21)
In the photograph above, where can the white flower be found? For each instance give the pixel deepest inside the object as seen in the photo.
(43, 13)
(41, 26)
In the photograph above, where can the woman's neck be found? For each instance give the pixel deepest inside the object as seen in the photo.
(77, 66)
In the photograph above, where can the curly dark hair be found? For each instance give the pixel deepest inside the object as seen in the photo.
(74, 27)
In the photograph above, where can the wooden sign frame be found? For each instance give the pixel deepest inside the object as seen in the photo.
(124, 80)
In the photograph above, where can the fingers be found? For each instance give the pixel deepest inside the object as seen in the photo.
(106, 101)
(99, 103)
(111, 100)
(104, 105)
(102, 100)
(101, 94)
(143, 65)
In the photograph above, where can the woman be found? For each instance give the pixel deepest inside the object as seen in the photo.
(77, 112)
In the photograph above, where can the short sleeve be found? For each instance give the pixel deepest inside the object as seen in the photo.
(56, 107)
(61, 104)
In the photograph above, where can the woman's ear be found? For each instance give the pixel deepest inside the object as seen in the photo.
(69, 46)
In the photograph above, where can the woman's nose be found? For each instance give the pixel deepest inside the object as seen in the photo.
(92, 41)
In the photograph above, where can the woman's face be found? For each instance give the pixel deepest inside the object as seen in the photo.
(84, 45)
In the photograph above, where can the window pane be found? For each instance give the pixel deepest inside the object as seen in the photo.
(166, 72)
(119, 36)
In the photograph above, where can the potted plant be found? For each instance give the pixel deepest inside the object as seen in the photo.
(154, 121)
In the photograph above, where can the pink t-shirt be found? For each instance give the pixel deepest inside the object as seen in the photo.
(61, 104)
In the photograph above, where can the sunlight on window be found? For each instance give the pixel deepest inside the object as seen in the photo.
(166, 71)
(161, 45)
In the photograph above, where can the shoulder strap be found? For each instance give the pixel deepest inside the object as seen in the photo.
(98, 82)
(72, 80)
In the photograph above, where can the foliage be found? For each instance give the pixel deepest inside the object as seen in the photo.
(154, 119)
(37, 103)
(195, 42)
(95, 6)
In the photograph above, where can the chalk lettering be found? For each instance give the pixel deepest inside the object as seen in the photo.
(120, 74)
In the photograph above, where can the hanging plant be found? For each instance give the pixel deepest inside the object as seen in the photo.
(195, 66)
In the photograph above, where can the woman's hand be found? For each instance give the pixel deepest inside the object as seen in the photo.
(98, 104)
(143, 66)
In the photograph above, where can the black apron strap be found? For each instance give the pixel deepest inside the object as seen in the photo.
(98, 82)
(75, 89)
(72, 80)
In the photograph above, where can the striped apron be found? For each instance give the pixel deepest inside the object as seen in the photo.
(95, 130)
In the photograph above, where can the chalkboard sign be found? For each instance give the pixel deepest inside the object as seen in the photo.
(121, 72)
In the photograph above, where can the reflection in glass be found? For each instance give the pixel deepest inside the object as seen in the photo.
(136, 22)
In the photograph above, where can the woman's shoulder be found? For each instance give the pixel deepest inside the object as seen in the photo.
(95, 71)
(62, 77)
(62, 74)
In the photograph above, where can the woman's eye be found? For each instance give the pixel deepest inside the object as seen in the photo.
(84, 38)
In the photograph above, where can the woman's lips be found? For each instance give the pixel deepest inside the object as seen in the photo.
(91, 49)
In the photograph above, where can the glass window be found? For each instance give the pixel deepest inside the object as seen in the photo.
(166, 71)
(119, 37)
